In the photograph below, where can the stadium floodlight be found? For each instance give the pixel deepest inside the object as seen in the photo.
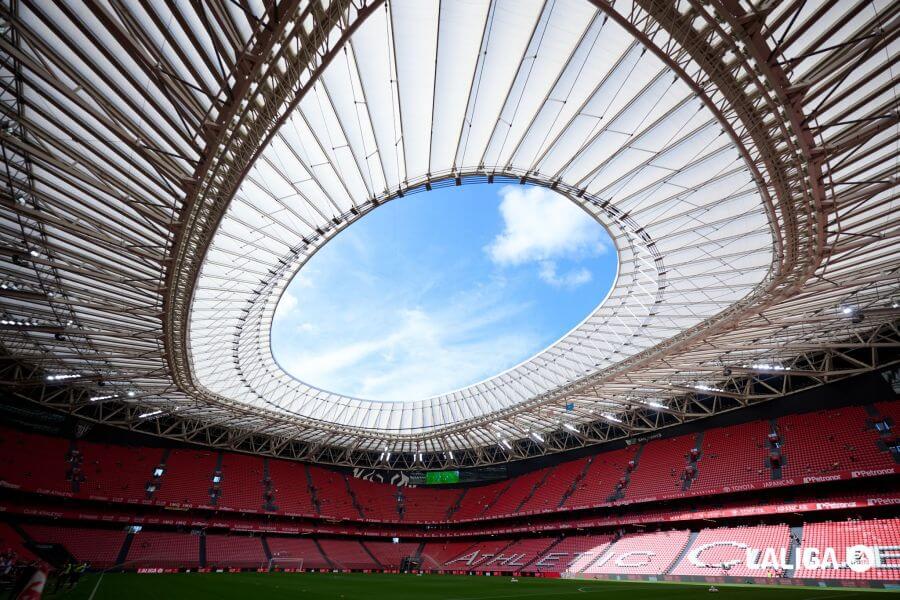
(506, 443)
(31, 323)
(131, 393)
(611, 417)
(570, 427)
(152, 413)
(766, 367)
(388, 457)
(706, 388)
(104, 397)
(63, 376)
(537, 436)
(451, 454)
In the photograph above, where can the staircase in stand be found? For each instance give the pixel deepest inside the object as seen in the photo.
(683, 553)
(535, 488)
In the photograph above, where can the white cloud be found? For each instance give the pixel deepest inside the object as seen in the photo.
(286, 306)
(303, 279)
(540, 225)
(570, 280)
(411, 325)
(412, 353)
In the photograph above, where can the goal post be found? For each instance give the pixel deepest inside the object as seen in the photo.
(284, 563)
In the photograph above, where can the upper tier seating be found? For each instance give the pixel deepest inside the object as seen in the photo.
(34, 462)
(378, 501)
(477, 500)
(428, 504)
(117, 472)
(331, 490)
(599, 483)
(289, 487)
(832, 443)
(549, 494)
(660, 468)
(519, 489)
(829, 441)
(234, 551)
(157, 549)
(100, 547)
(733, 456)
(241, 484)
(879, 533)
(644, 554)
(187, 478)
(891, 410)
(290, 549)
(713, 547)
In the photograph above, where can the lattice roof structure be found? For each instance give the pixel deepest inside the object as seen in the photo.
(169, 168)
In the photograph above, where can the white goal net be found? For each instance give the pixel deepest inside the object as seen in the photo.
(284, 563)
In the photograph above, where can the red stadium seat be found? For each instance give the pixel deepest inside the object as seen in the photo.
(714, 547)
(234, 551)
(883, 535)
(158, 549)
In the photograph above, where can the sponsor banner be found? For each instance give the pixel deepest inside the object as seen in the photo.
(757, 580)
(158, 570)
(861, 501)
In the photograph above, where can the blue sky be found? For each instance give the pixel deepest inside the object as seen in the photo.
(438, 290)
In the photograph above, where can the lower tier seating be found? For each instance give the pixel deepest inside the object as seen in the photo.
(390, 555)
(287, 552)
(882, 535)
(436, 555)
(673, 552)
(641, 554)
(347, 554)
(100, 547)
(12, 545)
(167, 550)
(234, 551)
(483, 556)
(573, 554)
(727, 546)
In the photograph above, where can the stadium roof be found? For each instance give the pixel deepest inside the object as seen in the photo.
(169, 168)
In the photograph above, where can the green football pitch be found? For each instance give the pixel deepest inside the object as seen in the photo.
(228, 586)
